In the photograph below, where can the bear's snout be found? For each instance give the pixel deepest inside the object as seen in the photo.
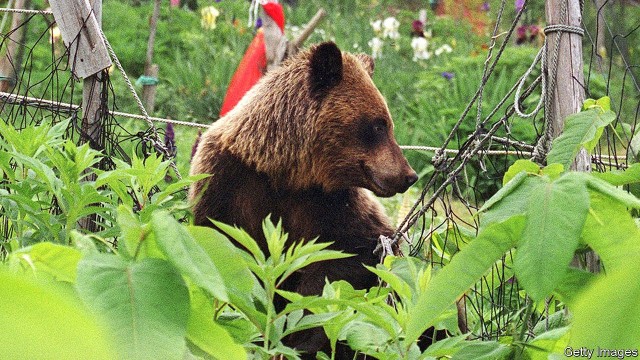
(387, 179)
(402, 182)
(410, 179)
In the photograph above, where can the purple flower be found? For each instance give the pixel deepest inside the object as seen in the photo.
(521, 34)
(519, 5)
(195, 144)
(218, 0)
(418, 28)
(485, 6)
(447, 75)
(170, 139)
(258, 23)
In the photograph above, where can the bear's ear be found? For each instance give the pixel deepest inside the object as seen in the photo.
(367, 62)
(326, 67)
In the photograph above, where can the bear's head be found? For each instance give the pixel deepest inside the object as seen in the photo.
(354, 143)
(317, 121)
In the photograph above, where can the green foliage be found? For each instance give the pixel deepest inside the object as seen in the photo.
(40, 321)
(582, 129)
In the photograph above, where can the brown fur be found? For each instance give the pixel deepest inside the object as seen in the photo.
(303, 145)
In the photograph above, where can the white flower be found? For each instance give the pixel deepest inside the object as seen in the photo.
(446, 48)
(209, 15)
(54, 34)
(428, 34)
(376, 47)
(376, 25)
(390, 28)
(420, 46)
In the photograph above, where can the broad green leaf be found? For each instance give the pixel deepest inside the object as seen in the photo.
(184, 253)
(446, 347)
(519, 166)
(613, 192)
(137, 239)
(575, 281)
(631, 175)
(226, 257)
(553, 171)
(145, 303)
(556, 216)
(507, 189)
(611, 231)
(483, 350)
(551, 342)
(582, 129)
(598, 323)
(516, 203)
(58, 261)
(463, 271)
(209, 336)
(238, 280)
(40, 322)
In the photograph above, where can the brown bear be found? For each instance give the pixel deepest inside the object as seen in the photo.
(303, 145)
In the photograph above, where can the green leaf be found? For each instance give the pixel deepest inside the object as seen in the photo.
(516, 203)
(551, 342)
(243, 239)
(611, 231)
(631, 175)
(146, 304)
(209, 336)
(311, 321)
(553, 171)
(238, 280)
(364, 336)
(582, 129)
(483, 350)
(613, 192)
(519, 166)
(446, 347)
(184, 253)
(556, 216)
(463, 271)
(598, 323)
(507, 189)
(40, 322)
(59, 261)
(575, 281)
(137, 239)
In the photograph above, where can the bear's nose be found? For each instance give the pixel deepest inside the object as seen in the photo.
(411, 179)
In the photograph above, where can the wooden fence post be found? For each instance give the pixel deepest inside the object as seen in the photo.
(80, 27)
(568, 94)
(91, 96)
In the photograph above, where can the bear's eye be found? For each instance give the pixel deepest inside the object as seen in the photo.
(372, 132)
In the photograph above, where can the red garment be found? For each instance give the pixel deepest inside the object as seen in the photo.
(251, 68)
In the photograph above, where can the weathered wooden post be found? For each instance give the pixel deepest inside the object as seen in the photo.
(151, 69)
(80, 26)
(79, 23)
(567, 74)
